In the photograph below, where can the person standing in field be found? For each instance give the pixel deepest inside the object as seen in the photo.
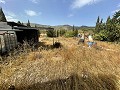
(82, 39)
(90, 40)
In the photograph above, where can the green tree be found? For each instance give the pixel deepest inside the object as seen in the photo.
(73, 27)
(35, 26)
(2, 16)
(62, 32)
(57, 33)
(109, 31)
(97, 28)
(28, 24)
(51, 33)
(19, 22)
(75, 32)
(117, 15)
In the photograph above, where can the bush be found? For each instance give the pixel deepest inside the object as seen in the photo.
(102, 35)
(71, 33)
(51, 33)
(75, 32)
(62, 32)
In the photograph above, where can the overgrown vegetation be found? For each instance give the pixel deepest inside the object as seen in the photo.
(69, 68)
(51, 33)
(110, 30)
(66, 33)
(71, 33)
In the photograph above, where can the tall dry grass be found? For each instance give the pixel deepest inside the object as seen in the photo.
(71, 67)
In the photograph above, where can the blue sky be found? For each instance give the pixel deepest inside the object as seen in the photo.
(59, 12)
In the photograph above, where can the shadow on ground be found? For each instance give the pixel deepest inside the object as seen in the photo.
(75, 82)
(43, 45)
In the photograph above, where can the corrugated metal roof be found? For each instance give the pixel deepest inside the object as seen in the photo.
(9, 29)
(25, 28)
(5, 27)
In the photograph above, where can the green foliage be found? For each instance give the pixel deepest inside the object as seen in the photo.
(28, 24)
(51, 33)
(110, 30)
(57, 33)
(71, 33)
(2, 16)
(35, 26)
(62, 32)
(73, 27)
(75, 32)
(99, 25)
(102, 35)
(19, 22)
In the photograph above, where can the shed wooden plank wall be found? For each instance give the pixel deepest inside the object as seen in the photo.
(8, 41)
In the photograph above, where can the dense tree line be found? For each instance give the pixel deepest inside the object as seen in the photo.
(109, 30)
(63, 32)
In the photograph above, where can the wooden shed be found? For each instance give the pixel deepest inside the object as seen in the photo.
(12, 33)
(8, 38)
(31, 35)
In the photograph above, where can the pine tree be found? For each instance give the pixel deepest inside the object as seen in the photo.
(19, 22)
(97, 28)
(73, 27)
(2, 16)
(101, 21)
(76, 32)
(35, 26)
(98, 19)
(101, 25)
(117, 15)
(109, 31)
(108, 24)
(28, 24)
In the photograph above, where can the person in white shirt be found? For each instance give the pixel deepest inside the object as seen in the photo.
(90, 40)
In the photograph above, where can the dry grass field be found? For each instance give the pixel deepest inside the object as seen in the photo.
(71, 67)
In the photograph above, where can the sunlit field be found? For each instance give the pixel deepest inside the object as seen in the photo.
(71, 67)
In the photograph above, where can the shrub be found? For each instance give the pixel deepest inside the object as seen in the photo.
(51, 33)
(62, 32)
(102, 35)
(71, 33)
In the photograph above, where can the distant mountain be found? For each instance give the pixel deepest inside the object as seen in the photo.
(38, 25)
(65, 27)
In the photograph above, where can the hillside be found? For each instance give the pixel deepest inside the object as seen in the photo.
(65, 27)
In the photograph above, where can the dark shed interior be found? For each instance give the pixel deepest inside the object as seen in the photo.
(30, 35)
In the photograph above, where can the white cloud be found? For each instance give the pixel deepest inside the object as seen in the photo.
(70, 15)
(81, 3)
(2, 1)
(10, 16)
(34, 1)
(32, 13)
